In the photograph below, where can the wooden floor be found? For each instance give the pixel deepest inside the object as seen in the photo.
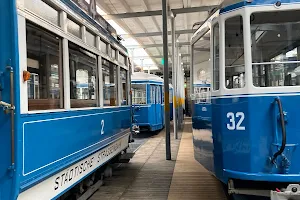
(149, 176)
(191, 180)
(146, 177)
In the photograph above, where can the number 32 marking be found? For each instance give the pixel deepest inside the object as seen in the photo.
(233, 125)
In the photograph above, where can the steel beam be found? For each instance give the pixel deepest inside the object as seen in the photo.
(202, 49)
(166, 78)
(146, 46)
(150, 34)
(160, 56)
(161, 44)
(158, 12)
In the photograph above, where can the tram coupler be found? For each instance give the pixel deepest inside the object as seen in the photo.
(292, 192)
(135, 129)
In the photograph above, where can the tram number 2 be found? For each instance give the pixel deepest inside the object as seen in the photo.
(102, 126)
(235, 121)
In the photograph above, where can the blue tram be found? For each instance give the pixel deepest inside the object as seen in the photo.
(202, 106)
(64, 97)
(147, 101)
(254, 140)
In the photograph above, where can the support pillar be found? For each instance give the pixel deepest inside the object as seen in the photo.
(166, 78)
(174, 74)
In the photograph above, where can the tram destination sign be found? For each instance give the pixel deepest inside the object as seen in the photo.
(91, 10)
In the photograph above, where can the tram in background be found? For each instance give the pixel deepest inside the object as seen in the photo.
(147, 101)
(72, 116)
(202, 106)
(253, 144)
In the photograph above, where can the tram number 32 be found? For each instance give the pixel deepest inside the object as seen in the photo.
(235, 121)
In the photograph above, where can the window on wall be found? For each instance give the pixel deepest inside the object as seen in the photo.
(275, 48)
(216, 58)
(124, 86)
(44, 62)
(110, 83)
(139, 94)
(83, 77)
(234, 53)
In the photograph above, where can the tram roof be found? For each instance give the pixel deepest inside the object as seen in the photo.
(145, 77)
(254, 3)
(100, 24)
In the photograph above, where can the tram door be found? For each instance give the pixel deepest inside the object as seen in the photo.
(8, 58)
(159, 105)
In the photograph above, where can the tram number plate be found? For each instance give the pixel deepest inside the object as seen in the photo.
(235, 121)
(102, 126)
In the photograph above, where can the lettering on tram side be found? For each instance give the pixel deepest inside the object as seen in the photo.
(64, 179)
(84, 166)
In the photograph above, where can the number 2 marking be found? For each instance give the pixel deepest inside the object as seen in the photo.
(232, 125)
(102, 125)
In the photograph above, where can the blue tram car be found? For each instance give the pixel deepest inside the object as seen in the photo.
(253, 145)
(202, 106)
(64, 97)
(147, 101)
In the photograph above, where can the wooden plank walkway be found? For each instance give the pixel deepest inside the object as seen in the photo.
(190, 179)
(146, 177)
(149, 176)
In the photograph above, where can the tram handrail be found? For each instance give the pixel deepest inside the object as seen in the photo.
(282, 121)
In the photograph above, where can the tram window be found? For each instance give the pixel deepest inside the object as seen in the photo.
(216, 57)
(122, 58)
(73, 28)
(152, 94)
(110, 82)
(171, 96)
(83, 77)
(113, 53)
(275, 48)
(103, 46)
(123, 74)
(90, 39)
(158, 95)
(139, 94)
(40, 8)
(234, 53)
(44, 62)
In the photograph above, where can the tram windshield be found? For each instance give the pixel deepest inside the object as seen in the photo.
(234, 53)
(275, 38)
(139, 94)
(202, 95)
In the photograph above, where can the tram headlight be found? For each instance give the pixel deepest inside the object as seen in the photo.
(277, 4)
